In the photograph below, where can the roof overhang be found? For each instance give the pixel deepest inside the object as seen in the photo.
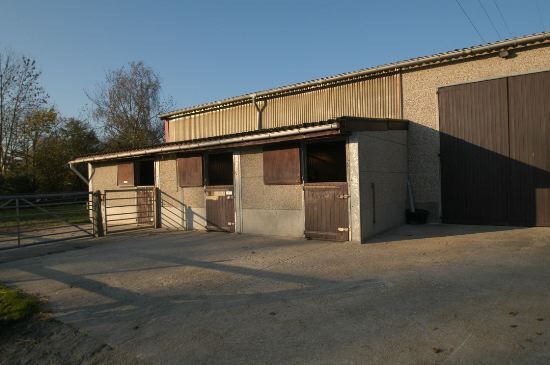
(331, 128)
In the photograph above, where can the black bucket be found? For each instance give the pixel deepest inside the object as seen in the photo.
(419, 216)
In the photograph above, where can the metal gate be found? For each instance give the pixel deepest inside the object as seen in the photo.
(326, 211)
(42, 218)
(125, 209)
(495, 151)
(220, 209)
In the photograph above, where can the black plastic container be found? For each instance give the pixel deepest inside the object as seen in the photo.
(419, 216)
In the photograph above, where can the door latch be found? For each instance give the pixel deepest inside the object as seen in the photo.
(343, 196)
(343, 229)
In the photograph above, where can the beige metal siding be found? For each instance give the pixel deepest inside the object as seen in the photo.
(372, 97)
(235, 119)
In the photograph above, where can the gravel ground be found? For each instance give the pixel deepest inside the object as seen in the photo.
(416, 295)
(43, 340)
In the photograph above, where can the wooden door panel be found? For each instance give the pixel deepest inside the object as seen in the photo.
(220, 209)
(326, 211)
(144, 208)
(529, 100)
(473, 122)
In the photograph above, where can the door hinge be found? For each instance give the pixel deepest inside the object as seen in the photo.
(343, 229)
(230, 223)
(343, 196)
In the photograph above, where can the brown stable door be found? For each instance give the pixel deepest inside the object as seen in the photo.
(220, 203)
(326, 191)
(220, 209)
(326, 211)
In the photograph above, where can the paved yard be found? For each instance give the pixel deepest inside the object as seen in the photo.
(431, 294)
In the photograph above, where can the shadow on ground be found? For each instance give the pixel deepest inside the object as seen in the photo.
(426, 294)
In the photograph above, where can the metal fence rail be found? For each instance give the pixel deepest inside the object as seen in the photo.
(125, 209)
(39, 218)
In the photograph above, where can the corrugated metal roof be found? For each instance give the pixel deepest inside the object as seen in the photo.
(438, 58)
(343, 124)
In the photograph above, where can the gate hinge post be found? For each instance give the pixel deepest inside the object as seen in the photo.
(97, 219)
(158, 208)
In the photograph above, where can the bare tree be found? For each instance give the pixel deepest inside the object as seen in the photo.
(128, 105)
(20, 93)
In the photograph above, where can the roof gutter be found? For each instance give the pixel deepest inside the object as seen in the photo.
(416, 62)
(179, 147)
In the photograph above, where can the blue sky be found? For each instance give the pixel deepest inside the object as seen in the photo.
(212, 49)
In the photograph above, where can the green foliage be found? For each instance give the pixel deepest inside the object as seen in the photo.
(127, 105)
(15, 306)
(52, 154)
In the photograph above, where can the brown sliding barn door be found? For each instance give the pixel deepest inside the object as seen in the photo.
(220, 209)
(529, 105)
(474, 152)
(144, 205)
(326, 210)
(495, 151)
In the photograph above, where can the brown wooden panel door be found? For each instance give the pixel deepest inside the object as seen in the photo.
(189, 171)
(326, 211)
(529, 105)
(220, 209)
(474, 147)
(125, 174)
(145, 206)
(281, 165)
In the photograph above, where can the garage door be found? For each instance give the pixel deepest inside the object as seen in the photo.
(495, 151)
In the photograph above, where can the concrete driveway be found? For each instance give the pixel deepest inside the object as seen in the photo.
(430, 294)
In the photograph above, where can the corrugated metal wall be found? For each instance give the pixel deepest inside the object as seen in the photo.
(378, 97)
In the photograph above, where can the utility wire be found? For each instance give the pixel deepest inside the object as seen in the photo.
(503, 19)
(490, 20)
(471, 22)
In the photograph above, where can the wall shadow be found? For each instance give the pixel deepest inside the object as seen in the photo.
(478, 185)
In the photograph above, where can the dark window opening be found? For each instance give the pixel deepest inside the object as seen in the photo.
(326, 162)
(144, 173)
(220, 169)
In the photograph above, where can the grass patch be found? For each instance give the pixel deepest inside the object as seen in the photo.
(15, 306)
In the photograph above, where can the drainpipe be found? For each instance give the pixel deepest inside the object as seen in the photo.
(258, 110)
(74, 169)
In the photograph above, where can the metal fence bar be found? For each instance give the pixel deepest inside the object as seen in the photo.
(18, 222)
(56, 216)
(106, 229)
(39, 195)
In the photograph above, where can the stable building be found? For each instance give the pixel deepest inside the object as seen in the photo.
(464, 135)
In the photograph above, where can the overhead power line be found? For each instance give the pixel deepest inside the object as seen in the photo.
(490, 20)
(503, 19)
(471, 22)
